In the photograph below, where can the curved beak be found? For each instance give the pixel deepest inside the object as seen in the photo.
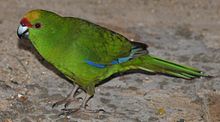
(22, 31)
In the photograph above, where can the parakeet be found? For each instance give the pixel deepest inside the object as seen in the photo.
(87, 53)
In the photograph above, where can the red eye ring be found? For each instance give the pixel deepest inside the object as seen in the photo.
(37, 25)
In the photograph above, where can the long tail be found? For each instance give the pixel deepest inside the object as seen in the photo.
(156, 65)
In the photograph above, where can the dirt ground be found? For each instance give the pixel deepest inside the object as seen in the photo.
(185, 31)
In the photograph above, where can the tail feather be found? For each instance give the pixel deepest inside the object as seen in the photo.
(153, 64)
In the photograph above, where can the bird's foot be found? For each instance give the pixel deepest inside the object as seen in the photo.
(69, 99)
(68, 112)
(66, 101)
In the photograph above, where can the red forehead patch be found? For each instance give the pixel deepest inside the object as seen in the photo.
(25, 22)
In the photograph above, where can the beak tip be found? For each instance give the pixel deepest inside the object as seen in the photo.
(22, 31)
(19, 35)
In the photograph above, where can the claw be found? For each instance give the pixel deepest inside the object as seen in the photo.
(80, 98)
(66, 104)
(54, 105)
(102, 110)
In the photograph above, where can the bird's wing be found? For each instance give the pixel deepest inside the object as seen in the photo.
(102, 47)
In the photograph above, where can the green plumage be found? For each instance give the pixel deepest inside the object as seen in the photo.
(67, 43)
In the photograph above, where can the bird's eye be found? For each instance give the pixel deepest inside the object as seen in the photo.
(37, 25)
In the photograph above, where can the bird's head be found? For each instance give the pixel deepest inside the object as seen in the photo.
(41, 28)
(31, 20)
(35, 23)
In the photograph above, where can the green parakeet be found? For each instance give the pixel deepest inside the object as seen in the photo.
(87, 53)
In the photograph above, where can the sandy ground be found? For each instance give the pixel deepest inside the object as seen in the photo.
(185, 31)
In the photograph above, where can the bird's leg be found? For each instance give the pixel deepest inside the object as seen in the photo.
(70, 98)
(85, 101)
(84, 105)
(82, 108)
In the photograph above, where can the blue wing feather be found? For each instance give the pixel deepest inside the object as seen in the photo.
(134, 51)
(95, 64)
